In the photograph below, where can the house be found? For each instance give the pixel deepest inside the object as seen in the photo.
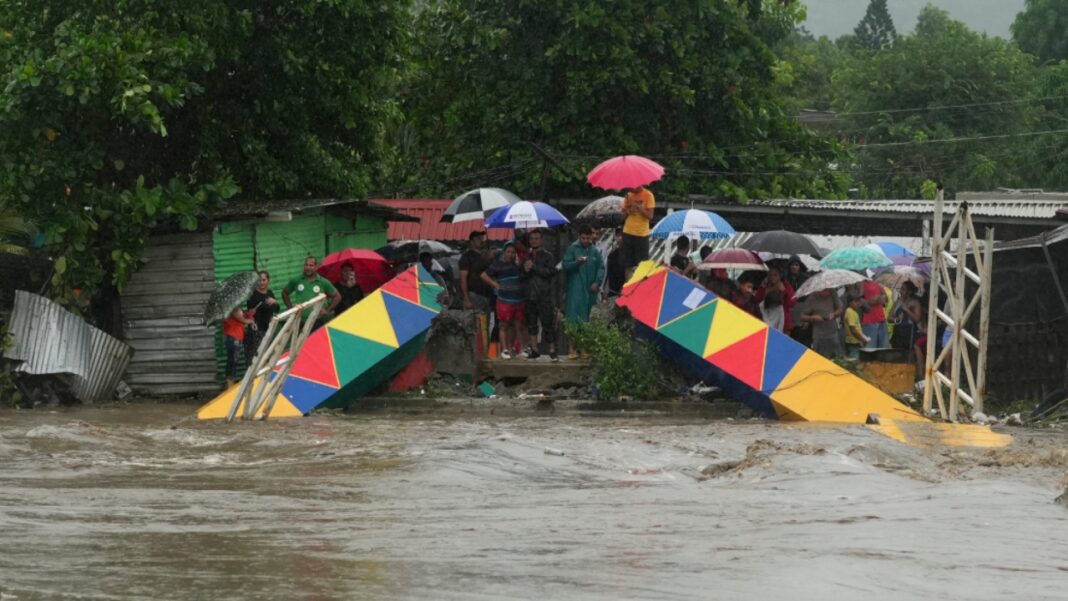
(163, 304)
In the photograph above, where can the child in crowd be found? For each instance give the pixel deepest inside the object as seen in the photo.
(854, 337)
(680, 261)
(233, 340)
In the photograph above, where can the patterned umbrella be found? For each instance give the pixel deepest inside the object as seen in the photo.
(526, 215)
(828, 279)
(782, 242)
(624, 172)
(855, 258)
(230, 294)
(703, 225)
(733, 258)
(896, 275)
(605, 212)
(477, 204)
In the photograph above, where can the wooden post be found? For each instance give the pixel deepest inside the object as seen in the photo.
(986, 274)
(930, 381)
(957, 301)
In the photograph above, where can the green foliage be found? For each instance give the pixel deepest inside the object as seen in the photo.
(9, 394)
(120, 116)
(943, 64)
(692, 84)
(14, 231)
(807, 69)
(1039, 29)
(876, 29)
(622, 365)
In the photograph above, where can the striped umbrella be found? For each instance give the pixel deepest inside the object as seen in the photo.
(525, 215)
(696, 224)
(477, 204)
(855, 259)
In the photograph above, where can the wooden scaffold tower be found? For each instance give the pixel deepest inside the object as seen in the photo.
(963, 351)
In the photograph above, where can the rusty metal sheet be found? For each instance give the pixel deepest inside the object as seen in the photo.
(48, 339)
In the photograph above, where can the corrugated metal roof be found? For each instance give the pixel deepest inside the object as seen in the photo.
(429, 227)
(1029, 209)
(48, 339)
(252, 207)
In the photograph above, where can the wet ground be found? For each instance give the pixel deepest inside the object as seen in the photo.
(117, 504)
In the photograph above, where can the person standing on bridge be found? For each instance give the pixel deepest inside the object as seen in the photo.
(585, 271)
(541, 271)
(638, 206)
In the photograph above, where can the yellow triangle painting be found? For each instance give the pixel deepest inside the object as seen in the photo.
(644, 270)
(730, 325)
(368, 319)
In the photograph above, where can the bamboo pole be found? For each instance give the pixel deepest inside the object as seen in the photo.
(987, 271)
(958, 313)
(932, 308)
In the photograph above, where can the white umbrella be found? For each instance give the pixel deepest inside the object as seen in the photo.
(828, 279)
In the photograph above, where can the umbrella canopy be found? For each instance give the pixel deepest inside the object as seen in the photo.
(855, 258)
(782, 242)
(605, 212)
(733, 258)
(623, 172)
(408, 251)
(372, 269)
(895, 276)
(525, 215)
(828, 279)
(230, 294)
(891, 249)
(477, 204)
(702, 225)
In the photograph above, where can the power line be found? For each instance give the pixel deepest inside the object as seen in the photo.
(947, 107)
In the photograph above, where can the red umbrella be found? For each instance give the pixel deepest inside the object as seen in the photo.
(372, 270)
(629, 171)
(733, 258)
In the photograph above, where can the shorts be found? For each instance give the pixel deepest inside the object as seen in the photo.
(633, 250)
(511, 312)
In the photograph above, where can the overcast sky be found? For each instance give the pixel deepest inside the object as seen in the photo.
(838, 17)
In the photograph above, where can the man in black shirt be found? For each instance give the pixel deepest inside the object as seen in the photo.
(350, 291)
(474, 292)
(680, 261)
(540, 267)
(261, 306)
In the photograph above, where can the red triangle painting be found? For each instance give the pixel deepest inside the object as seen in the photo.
(316, 360)
(643, 298)
(744, 360)
(404, 285)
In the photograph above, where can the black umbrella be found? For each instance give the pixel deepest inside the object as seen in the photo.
(230, 294)
(478, 204)
(408, 251)
(603, 212)
(782, 242)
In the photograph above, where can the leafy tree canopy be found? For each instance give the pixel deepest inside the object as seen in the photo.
(904, 102)
(690, 83)
(1040, 29)
(119, 115)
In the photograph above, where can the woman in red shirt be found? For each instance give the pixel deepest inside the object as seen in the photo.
(233, 336)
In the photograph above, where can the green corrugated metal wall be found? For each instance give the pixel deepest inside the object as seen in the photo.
(233, 252)
(368, 232)
(281, 247)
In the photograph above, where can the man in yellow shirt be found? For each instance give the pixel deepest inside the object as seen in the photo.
(638, 206)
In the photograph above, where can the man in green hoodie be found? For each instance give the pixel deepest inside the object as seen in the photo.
(585, 271)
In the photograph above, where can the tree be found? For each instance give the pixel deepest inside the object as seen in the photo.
(690, 83)
(13, 232)
(942, 104)
(1039, 29)
(876, 30)
(122, 115)
(808, 66)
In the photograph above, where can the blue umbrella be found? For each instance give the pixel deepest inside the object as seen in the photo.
(891, 249)
(525, 215)
(703, 225)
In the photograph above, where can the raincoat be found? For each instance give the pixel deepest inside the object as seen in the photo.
(580, 277)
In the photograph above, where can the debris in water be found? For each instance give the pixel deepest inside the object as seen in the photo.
(552, 451)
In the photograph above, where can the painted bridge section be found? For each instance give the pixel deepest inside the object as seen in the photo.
(356, 351)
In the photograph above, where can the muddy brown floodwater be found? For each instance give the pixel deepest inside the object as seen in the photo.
(115, 504)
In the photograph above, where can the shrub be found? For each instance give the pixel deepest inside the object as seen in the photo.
(622, 365)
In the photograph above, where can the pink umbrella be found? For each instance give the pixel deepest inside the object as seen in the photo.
(628, 171)
(733, 258)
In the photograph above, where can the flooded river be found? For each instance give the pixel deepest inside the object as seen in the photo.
(118, 504)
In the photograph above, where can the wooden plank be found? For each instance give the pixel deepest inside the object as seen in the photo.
(169, 332)
(163, 322)
(169, 263)
(168, 289)
(174, 355)
(188, 344)
(175, 389)
(135, 311)
(162, 276)
(170, 378)
(182, 367)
